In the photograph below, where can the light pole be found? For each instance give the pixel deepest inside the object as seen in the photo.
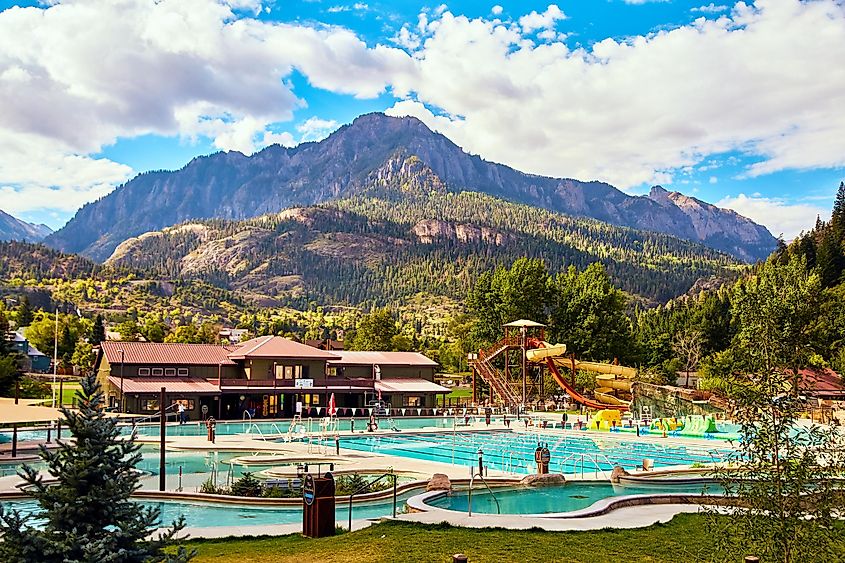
(55, 356)
(121, 381)
(220, 390)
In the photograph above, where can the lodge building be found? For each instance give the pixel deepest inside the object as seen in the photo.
(266, 377)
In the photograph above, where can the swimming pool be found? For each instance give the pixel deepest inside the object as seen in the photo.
(544, 500)
(190, 462)
(209, 515)
(276, 427)
(514, 452)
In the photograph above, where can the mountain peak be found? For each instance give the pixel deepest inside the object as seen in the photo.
(358, 158)
(12, 228)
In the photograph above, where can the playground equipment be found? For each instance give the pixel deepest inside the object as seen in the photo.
(696, 426)
(513, 370)
(613, 379)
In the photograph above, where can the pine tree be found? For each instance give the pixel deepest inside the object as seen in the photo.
(838, 216)
(88, 514)
(25, 315)
(10, 359)
(98, 332)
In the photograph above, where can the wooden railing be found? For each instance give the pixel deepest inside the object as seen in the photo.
(290, 383)
(493, 376)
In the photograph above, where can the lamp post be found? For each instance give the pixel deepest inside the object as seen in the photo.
(220, 390)
(121, 381)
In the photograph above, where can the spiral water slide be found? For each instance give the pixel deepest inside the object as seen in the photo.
(610, 378)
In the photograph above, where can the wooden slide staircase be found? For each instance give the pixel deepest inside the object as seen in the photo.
(491, 375)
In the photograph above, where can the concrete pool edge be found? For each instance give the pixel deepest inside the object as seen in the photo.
(602, 507)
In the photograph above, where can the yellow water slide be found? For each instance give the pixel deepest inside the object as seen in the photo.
(613, 382)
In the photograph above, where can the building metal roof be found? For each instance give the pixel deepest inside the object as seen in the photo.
(409, 385)
(278, 347)
(349, 358)
(166, 353)
(822, 383)
(192, 385)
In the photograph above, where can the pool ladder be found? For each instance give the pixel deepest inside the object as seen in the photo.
(477, 473)
(594, 458)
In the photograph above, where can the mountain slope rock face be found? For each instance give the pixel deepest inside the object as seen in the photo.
(12, 228)
(233, 186)
(406, 234)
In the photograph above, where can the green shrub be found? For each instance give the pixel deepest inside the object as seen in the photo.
(246, 486)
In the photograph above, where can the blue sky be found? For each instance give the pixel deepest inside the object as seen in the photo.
(721, 101)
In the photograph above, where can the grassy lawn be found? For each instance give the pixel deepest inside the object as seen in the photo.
(68, 392)
(457, 394)
(685, 539)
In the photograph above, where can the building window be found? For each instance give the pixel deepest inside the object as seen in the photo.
(143, 371)
(188, 403)
(183, 371)
(413, 401)
(149, 405)
(331, 371)
(158, 371)
(170, 372)
(288, 372)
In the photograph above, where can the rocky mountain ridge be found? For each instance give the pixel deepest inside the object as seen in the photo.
(12, 228)
(231, 185)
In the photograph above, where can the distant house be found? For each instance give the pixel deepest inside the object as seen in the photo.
(35, 360)
(233, 335)
(823, 384)
(268, 376)
(325, 344)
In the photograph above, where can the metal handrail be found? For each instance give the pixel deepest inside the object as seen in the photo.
(367, 486)
(483, 480)
(137, 421)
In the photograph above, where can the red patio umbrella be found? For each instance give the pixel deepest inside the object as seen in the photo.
(332, 406)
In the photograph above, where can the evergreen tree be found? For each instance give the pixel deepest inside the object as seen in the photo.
(88, 512)
(25, 315)
(98, 332)
(838, 215)
(829, 258)
(10, 359)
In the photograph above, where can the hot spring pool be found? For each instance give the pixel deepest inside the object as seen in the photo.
(544, 500)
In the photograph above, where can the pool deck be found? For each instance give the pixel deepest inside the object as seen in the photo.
(629, 517)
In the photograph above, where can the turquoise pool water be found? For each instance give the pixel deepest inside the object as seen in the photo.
(190, 462)
(511, 451)
(281, 427)
(542, 500)
(208, 515)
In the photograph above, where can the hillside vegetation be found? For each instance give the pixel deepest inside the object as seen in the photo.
(405, 235)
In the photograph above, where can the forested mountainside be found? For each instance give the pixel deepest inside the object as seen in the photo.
(803, 289)
(12, 228)
(35, 261)
(233, 186)
(407, 234)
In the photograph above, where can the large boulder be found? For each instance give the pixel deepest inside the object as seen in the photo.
(617, 473)
(547, 480)
(439, 482)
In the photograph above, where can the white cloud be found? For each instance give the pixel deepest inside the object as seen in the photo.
(764, 80)
(496, 10)
(545, 20)
(778, 215)
(78, 75)
(316, 129)
(710, 8)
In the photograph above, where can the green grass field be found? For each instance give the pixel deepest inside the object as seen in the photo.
(685, 539)
(457, 394)
(68, 392)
